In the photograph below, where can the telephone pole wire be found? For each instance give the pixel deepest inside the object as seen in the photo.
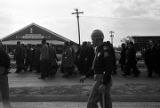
(111, 35)
(77, 15)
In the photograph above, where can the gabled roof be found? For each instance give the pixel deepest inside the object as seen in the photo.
(48, 34)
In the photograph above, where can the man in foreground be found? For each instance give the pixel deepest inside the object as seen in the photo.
(103, 67)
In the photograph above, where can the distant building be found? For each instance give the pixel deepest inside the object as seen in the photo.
(142, 41)
(33, 34)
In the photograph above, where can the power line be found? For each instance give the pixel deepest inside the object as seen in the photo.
(77, 15)
(111, 32)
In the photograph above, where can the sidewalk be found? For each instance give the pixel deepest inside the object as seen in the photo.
(82, 105)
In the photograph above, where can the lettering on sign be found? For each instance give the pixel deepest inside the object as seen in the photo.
(32, 36)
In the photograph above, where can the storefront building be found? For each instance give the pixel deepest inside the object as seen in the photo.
(33, 34)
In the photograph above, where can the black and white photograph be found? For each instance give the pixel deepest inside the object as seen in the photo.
(79, 53)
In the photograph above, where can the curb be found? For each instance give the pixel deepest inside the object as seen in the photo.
(73, 98)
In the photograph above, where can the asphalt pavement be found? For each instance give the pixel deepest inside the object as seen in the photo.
(27, 87)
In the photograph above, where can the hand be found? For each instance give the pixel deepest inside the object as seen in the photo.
(102, 88)
(98, 77)
(82, 78)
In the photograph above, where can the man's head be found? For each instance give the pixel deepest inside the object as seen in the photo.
(66, 44)
(18, 42)
(44, 41)
(84, 44)
(97, 37)
(130, 44)
(123, 45)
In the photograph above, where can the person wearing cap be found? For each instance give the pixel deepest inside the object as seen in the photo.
(131, 61)
(103, 67)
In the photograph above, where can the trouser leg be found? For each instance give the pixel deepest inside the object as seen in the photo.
(108, 101)
(150, 70)
(135, 70)
(94, 97)
(44, 68)
(4, 87)
(127, 69)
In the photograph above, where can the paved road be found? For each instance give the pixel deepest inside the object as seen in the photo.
(82, 105)
(30, 79)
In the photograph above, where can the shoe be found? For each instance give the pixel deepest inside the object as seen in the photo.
(30, 70)
(114, 73)
(65, 76)
(149, 76)
(136, 76)
(125, 74)
(17, 72)
(41, 78)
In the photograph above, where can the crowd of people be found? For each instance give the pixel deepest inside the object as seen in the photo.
(43, 59)
(78, 59)
(128, 60)
(152, 58)
(150, 55)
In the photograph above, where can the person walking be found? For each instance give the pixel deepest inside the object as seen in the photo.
(131, 61)
(103, 67)
(67, 64)
(53, 61)
(19, 57)
(122, 60)
(83, 59)
(44, 60)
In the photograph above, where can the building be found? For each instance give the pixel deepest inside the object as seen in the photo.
(142, 41)
(33, 34)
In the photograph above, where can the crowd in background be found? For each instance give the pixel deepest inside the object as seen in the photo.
(77, 59)
(152, 58)
(150, 54)
(128, 60)
(42, 58)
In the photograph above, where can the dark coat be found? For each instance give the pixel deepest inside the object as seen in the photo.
(123, 56)
(67, 57)
(131, 56)
(19, 55)
(4, 61)
(104, 62)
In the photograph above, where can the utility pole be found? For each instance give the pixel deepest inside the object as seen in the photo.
(77, 15)
(111, 32)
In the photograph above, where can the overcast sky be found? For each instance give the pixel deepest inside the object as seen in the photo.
(124, 17)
